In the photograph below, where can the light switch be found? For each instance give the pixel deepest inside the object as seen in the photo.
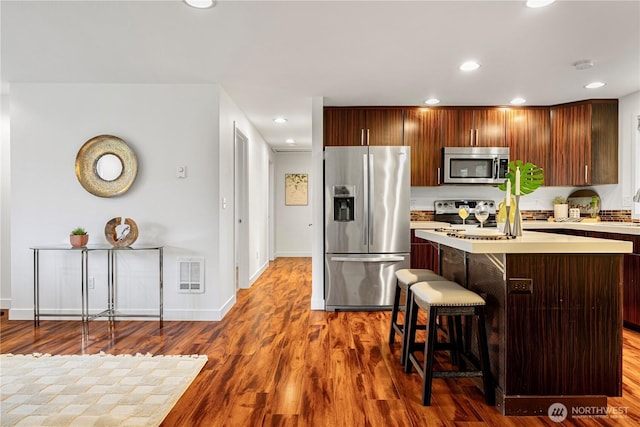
(181, 172)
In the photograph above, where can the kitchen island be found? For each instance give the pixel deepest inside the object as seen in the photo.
(553, 317)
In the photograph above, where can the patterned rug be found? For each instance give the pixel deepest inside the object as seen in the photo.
(92, 390)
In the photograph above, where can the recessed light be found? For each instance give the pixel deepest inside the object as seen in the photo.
(432, 101)
(290, 141)
(583, 64)
(470, 66)
(594, 85)
(539, 3)
(200, 4)
(518, 101)
(280, 120)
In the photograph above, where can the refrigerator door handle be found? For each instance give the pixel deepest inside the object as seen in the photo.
(372, 193)
(365, 172)
(388, 258)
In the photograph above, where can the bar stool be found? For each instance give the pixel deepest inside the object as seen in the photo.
(404, 279)
(446, 298)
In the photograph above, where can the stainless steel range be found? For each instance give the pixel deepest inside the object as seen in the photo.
(447, 211)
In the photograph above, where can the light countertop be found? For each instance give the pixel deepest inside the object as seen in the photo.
(605, 226)
(529, 242)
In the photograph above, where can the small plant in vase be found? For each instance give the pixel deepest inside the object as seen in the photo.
(560, 207)
(79, 237)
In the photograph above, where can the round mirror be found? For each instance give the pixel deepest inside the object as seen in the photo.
(106, 166)
(109, 167)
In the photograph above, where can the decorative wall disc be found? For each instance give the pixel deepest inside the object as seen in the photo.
(106, 166)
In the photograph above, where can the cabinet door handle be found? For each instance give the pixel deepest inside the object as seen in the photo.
(477, 137)
(361, 136)
(438, 176)
(471, 137)
(586, 174)
(367, 136)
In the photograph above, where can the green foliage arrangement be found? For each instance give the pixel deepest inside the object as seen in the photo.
(78, 231)
(531, 177)
(559, 200)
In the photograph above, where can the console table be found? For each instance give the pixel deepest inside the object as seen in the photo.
(111, 309)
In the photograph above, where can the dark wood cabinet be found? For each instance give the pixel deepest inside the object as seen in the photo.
(424, 254)
(631, 272)
(584, 143)
(528, 135)
(630, 280)
(362, 126)
(422, 134)
(473, 127)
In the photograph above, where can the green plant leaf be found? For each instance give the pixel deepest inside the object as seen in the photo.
(531, 177)
(78, 231)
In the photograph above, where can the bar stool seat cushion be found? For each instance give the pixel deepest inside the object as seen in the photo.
(444, 293)
(409, 276)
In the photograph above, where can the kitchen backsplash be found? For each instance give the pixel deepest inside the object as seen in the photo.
(605, 215)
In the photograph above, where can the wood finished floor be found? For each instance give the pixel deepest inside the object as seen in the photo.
(274, 362)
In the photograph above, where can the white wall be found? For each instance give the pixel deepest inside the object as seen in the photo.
(293, 229)
(629, 111)
(5, 191)
(317, 195)
(612, 196)
(258, 156)
(166, 125)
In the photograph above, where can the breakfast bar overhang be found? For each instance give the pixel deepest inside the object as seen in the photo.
(553, 315)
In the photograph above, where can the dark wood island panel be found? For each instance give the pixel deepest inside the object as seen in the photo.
(554, 323)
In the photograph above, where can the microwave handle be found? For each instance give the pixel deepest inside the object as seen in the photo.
(496, 167)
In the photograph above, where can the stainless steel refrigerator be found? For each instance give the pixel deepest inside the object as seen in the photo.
(367, 231)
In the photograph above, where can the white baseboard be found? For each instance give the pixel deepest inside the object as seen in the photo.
(258, 273)
(5, 303)
(317, 304)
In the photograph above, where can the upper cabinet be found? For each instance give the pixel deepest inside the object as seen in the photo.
(422, 133)
(584, 143)
(528, 136)
(362, 126)
(473, 127)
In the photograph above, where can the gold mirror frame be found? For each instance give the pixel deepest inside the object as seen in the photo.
(88, 157)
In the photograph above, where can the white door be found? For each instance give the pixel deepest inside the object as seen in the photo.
(241, 243)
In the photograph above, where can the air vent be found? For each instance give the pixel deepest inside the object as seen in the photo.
(191, 275)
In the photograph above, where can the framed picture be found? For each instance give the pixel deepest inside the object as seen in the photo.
(296, 189)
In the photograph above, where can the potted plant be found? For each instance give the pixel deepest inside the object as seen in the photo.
(79, 237)
(560, 207)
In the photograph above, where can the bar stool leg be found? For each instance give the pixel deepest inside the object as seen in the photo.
(429, 348)
(394, 314)
(410, 332)
(483, 349)
(405, 335)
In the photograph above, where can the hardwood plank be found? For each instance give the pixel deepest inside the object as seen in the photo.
(272, 361)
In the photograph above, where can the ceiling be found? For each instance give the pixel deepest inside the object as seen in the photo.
(273, 57)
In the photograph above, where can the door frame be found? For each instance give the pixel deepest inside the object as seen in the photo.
(241, 217)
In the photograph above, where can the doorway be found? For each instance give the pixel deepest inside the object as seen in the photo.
(241, 232)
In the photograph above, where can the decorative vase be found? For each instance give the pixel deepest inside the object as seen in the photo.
(561, 211)
(501, 216)
(79, 240)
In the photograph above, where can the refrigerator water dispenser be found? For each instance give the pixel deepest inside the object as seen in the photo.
(343, 202)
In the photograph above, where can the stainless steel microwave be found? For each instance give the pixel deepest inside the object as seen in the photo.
(475, 165)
